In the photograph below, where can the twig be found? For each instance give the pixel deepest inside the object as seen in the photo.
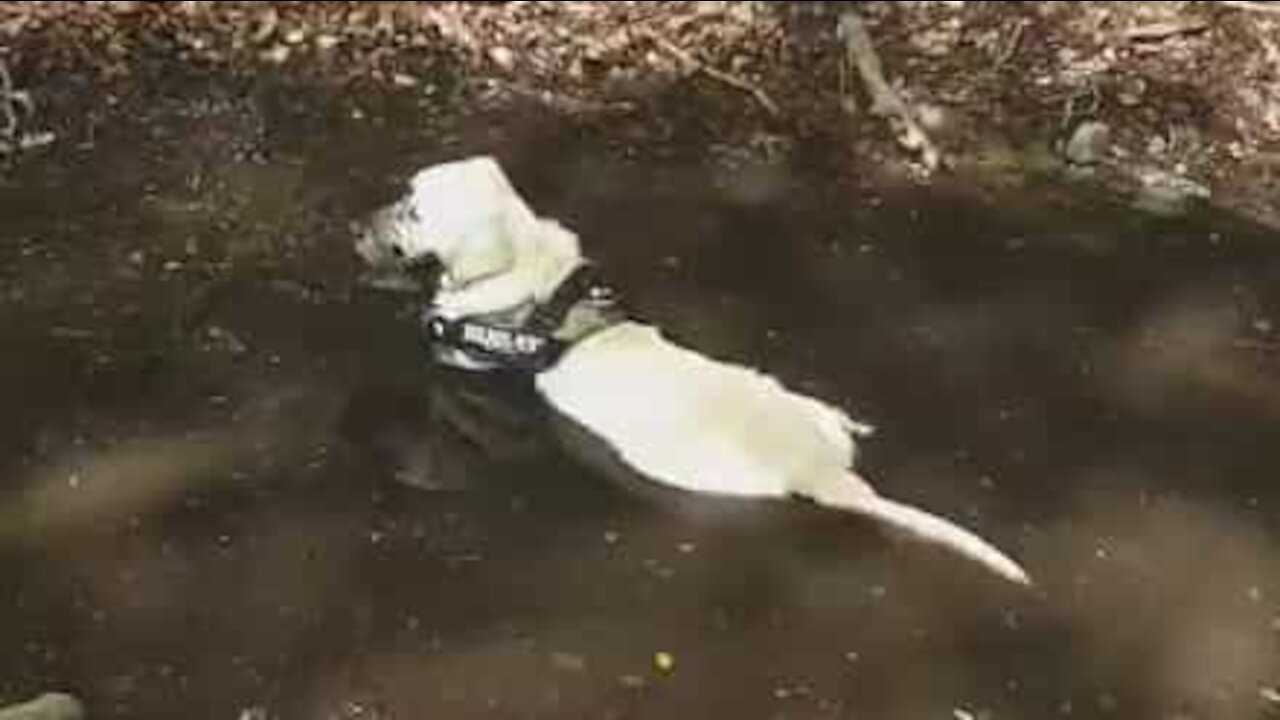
(1259, 346)
(885, 102)
(1263, 7)
(1264, 158)
(729, 79)
(564, 101)
(7, 103)
(1155, 32)
(54, 706)
(12, 139)
(63, 332)
(1015, 41)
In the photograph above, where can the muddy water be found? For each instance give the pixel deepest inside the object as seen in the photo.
(232, 487)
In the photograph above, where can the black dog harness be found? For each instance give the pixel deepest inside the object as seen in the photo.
(537, 343)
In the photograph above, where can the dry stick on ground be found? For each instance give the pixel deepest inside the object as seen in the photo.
(11, 101)
(731, 80)
(565, 102)
(1263, 7)
(50, 706)
(8, 111)
(1011, 48)
(885, 102)
(1155, 32)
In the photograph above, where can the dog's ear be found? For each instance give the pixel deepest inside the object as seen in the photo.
(492, 189)
(467, 188)
(469, 213)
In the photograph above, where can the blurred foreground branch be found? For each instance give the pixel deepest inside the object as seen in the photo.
(885, 101)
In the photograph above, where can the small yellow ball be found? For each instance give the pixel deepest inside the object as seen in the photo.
(664, 661)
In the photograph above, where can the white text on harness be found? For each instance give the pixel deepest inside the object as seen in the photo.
(500, 341)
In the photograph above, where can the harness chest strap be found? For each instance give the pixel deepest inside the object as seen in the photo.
(494, 345)
(533, 346)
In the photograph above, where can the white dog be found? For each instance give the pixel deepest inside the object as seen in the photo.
(673, 415)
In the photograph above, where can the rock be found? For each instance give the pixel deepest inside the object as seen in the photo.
(502, 57)
(277, 55)
(404, 80)
(1132, 92)
(267, 25)
(1089, 144)
(221, 339)
(1164, 193)
(568, 662)
(933, 117)
(50, 706)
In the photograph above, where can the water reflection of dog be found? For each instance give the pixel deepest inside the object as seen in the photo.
(678, 418)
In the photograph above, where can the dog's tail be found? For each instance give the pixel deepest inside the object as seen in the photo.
(846, 491)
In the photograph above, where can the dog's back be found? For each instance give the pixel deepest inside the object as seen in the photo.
(697, 424)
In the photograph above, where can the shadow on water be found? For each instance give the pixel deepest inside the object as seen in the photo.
(200, 520)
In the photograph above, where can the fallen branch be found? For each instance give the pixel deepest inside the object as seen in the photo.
(1262, 7)
(885, 101)
(26, 141)
(1156, 32)
(12, 139)
(1015, 42)
(696, 65)
(565, 102)
(1259, 346)
(8, 103)
(50, 706)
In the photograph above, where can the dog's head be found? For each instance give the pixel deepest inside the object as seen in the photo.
(464, 217)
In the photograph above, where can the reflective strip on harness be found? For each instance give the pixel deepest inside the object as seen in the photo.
(534, 346)
(497, 345)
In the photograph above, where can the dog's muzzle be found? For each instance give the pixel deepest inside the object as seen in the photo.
(387, 265)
